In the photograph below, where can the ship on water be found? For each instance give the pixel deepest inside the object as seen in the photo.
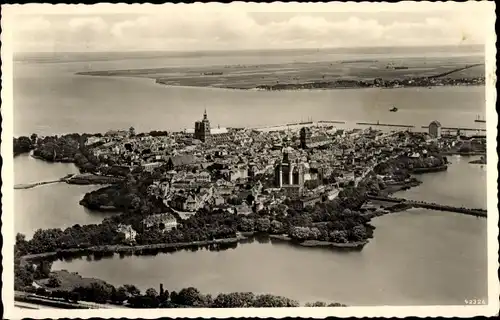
(478, 119)
(393, 109)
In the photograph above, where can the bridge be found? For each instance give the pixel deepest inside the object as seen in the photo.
(434, 206)
(34, 184)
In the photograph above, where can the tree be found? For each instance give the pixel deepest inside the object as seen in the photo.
(54, 282)
(276, 227)
(119, 295)
(359, 233)
(74, 296)
(338, 236)
(316, 304)
(132, 290)
(189, 297)
(250, 199)
(33, 138)
(262, 224)
(299, 233)
(151, 292)
(246, 224)
(234, 300)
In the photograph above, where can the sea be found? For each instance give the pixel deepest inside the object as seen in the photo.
(417, 257)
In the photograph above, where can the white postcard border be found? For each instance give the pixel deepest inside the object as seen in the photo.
(379, 311)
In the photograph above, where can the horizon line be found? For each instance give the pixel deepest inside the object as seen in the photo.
(472, 45)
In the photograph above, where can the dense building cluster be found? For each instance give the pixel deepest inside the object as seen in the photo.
(248, 170)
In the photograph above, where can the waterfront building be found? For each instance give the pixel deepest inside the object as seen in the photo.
(202, 128)
(289, 175)
(435, 129)
(165, 220)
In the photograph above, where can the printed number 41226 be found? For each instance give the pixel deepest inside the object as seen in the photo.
(475, 301)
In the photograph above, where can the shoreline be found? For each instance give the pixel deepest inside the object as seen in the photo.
(302, 87)
(106, 249)
(142, 249)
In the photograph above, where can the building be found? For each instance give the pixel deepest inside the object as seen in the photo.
(309, 141)
(435, 129)
(300, 204)
(289, 175)
(202, 128)
(176, 162)
(127, 231)
(165, 221)
(188, 202)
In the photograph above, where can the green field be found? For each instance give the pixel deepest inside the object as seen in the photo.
(251, 76)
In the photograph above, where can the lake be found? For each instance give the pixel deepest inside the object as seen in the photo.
(49, 206)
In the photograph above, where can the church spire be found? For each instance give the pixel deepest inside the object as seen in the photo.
(205, 114)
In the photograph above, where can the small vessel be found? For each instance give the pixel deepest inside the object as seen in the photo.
(394, 109)
(478, 119)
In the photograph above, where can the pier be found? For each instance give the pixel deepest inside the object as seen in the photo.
(297, 125)
(434, 206)
(456, 129)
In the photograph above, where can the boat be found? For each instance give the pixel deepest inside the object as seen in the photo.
(394, 109)
(478, 119)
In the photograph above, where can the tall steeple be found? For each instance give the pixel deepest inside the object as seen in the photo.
(205, 115)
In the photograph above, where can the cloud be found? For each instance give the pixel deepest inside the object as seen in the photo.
(227, 27)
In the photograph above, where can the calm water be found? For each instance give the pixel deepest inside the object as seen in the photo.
(50, 99)
(464, 184)
(416, 257)
(48, 206)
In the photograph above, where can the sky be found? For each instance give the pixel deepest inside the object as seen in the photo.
(195, 27)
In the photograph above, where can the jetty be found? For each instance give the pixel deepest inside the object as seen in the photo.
(331, 121)
(384, 124)
(434, 206)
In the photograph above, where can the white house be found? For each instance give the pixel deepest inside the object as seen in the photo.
(128, 231)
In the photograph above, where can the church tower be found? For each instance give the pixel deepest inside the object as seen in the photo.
(202, 128)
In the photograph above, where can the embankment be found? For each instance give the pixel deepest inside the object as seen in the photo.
(127, 249)
(323, 244)
(429, 169)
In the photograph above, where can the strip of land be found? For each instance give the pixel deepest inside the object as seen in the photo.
(382, 72)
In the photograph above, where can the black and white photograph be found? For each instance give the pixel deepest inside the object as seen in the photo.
(217, 160)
